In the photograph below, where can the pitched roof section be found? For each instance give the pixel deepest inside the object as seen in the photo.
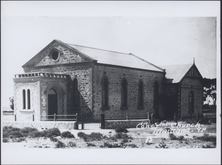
(93, 54)
(116, 58)
(177, 72)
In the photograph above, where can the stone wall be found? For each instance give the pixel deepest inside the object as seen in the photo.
(115, 76)
(83, 73)
(26, 114)
(195, 85)
(60, 85)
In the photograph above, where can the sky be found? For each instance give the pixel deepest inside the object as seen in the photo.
(162, 39)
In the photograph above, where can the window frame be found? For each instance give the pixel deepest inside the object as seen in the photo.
(124, 94)
(140, 101)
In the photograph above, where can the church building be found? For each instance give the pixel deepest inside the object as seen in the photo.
(65, 79)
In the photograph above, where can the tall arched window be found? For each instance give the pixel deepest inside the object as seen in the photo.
(105, 93)
(124, 93)
(191, 102)
(28, 99)
(140, 95)
(24, 99)
(155, 95)
(75, 93)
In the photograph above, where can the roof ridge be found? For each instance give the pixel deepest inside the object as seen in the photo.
(99, 49)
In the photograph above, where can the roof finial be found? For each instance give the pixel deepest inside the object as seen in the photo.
(193, 60)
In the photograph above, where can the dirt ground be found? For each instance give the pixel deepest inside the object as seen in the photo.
(141, 138)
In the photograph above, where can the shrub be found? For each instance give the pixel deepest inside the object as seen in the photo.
(124, 141)
(71, 144)
(28, 130)
(90, 145)
(132, 145)
(60, 144)
(5, 140)
(18, 139)
(122, 136)
(53, 139)
(51, 132)
(67, 134)
(121, 129)
(173, 137)
(81, 134)
(15, 134)
(92, 137)
(96, 136)
(207, 137)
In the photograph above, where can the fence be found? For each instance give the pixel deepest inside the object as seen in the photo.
(56, 117)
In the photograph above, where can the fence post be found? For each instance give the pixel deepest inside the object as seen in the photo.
(102, 121)
(15, 117)
(148, 115)
(54, 117)
(76, 125)
(152, 118)
(82, 120)
(33, 117)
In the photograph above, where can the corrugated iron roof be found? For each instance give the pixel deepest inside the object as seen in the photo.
(176, 72)
(116, 58)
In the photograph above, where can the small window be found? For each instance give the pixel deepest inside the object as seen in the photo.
(105, 93)
(55, 55)
(140, 95)
(28, 97)
(124, 94)
(24, 99)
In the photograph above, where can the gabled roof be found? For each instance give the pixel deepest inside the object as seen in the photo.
(116, 58)
(101, 56)
(177, 72)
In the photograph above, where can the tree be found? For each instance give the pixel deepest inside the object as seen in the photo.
(209, 91)
(11, 100)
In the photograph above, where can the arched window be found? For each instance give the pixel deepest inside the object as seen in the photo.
(124, 93)
(155, 95)
(140, 95)
(24, 99)
(28, 99)
(105, 93)
(191, 102)
(75, 93)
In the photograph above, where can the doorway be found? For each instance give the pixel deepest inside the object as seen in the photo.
(52, 103)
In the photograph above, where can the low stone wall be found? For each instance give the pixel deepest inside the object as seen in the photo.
(40, 125)
(112, 124)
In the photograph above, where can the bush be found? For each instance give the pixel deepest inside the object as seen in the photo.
(60, 144)
(53, 139)
(81, 134)
(51, 132)
(122, 136)
(207, 137)
(132, 145)
(71, 144)
(92, 137)
(173, 137)
(5, 140)
(90, 145)
(67, 134)
(121, 129)
(27, 131)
